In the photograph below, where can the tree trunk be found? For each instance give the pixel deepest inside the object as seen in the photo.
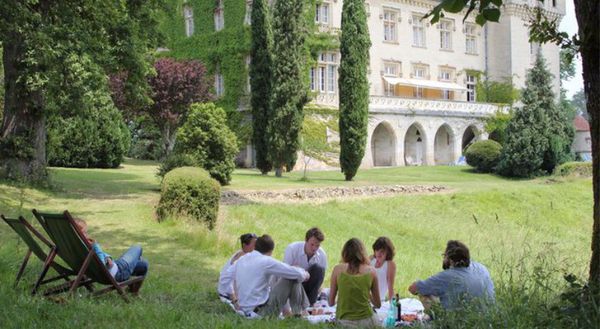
(587, 12)
(168, 139)
(278, 171)
(23, 131)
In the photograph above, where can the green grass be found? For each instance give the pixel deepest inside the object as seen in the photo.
(512, 226)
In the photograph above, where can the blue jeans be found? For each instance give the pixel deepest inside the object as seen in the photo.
(131, 263)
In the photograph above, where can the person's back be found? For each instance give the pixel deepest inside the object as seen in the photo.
(354, 294)
(258, 284)
(460, 286)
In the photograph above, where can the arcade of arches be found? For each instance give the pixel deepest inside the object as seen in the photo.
(440, 143)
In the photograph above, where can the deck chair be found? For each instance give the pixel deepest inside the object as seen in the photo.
(27, 232)
(77, 252)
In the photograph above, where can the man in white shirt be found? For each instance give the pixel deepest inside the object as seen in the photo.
(309, 255)
(253, 275)
(247, 241)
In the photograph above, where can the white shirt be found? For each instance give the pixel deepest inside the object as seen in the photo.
(252, 274)
(223, 289)
(295, 256)
(381, 278)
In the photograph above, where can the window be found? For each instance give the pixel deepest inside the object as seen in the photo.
(471, 85)
(188, 16)
(446, 74)
(446, 94)
(471, 38)
(420, 71)
(390, 17)
(553, 3)
(391, 69)
(219, 20)
(446, 27)
(219, 84)
(418, 92)
(322, 13)
(418, 31)
(323, 77)
(248, 17)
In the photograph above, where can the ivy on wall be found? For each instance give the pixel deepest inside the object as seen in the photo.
(228, 49)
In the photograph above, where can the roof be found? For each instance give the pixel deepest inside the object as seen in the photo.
(581, 123)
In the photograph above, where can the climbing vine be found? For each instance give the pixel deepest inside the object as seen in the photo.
(228, 48)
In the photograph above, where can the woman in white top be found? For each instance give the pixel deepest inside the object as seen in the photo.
(383, 262)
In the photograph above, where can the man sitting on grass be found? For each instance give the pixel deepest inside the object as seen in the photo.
(309, 255)
(252, 276)
(461, 282)
(248, 241)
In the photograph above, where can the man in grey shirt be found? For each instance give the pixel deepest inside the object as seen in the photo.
(461, 282)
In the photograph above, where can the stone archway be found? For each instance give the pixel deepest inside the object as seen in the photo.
(443, 149)
(383, 145)
(415, 147)
(469, 136)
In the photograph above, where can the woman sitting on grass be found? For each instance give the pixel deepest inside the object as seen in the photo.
(130, 263)
(356, 282)
(383, 262)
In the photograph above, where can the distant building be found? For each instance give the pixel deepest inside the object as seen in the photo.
(582, 144)
(423, 106)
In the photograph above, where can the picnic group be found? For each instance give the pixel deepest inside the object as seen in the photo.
(258, 285)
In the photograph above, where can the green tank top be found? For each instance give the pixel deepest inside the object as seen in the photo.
(353, 296)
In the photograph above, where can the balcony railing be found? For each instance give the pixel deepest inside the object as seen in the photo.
(384, 104)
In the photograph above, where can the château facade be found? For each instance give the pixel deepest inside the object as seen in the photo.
(423, 105)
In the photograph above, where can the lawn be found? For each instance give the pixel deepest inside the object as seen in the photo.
(516, 227)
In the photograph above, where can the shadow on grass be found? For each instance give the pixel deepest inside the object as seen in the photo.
(78, 184)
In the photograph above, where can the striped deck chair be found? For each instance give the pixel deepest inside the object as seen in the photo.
(30, 236)
(77, 252)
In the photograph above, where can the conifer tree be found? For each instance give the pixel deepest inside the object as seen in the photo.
(353, 86)
(539, 135)
(289, 92)
(261, 75)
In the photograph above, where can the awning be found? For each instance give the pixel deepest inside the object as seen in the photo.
(424, 83)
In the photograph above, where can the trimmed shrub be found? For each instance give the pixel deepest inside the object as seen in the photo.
(189, 192)
(176, 160)
(484, 155)
(206, 137)
(577, 169)
(94, 139)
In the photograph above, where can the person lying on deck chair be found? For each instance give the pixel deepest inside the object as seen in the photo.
(130, 263)
(248, 241)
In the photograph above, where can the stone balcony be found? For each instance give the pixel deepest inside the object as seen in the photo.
(400, 105)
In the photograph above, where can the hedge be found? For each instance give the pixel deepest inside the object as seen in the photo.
(579, 169)
(189, 192)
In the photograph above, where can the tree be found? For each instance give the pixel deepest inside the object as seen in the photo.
(502, 91)
(261, 74)
(579, 101)
(567, 66)
(206, 137)
(354, 86)
(38, 37)
(289, 92)
(176, 85)
(587, 42)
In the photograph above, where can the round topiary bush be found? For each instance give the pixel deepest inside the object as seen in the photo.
(189, 192)
(484, 155)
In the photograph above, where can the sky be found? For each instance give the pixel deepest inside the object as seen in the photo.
(569, 25)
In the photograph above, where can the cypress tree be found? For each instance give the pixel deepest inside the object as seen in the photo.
(289, 92)
(261, 82)
(353, 86)
(539, 135)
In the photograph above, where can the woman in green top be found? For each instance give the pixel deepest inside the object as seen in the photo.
(356, 283)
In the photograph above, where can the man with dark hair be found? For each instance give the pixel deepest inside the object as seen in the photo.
(247, 241)
(462, 281)
(252, 275)
(309, 255)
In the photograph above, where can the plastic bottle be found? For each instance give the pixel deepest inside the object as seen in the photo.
(390, 320)
(398, 309)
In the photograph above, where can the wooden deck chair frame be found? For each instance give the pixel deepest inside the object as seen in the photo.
(27, 233)
(69, 241)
